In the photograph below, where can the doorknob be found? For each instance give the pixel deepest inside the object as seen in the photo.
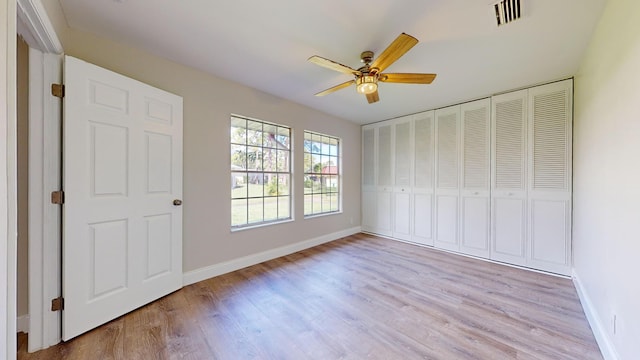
(177, 202)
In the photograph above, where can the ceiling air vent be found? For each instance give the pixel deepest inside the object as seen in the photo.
(507, 11)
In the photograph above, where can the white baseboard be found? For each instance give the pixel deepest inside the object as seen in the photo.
(22, 324)
(208, 272)
(604, 342)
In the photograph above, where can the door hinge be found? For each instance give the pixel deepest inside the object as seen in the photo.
(57, 304)
(57, 197)
(57, 90)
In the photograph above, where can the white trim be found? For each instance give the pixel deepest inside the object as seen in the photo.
(208, 272)
(22, 324)
(44, 217)
(603, 340)
(8, 175)
(36, 28)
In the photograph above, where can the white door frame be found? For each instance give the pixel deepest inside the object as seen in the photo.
(8, 174)
(45, 64)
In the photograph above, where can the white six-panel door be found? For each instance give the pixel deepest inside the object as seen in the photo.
(122, 241)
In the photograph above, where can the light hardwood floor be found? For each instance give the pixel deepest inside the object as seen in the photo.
(354, 298)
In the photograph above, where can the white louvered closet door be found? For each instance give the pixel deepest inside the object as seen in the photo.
(402, 206)
(385, 179)
(447, 177)
(550, 114)
(509, 188)
(423, 186)
(369, 190)
(474, 171)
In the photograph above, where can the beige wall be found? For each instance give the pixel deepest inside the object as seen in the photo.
(208, 103)
(607, 176)
(23, 177)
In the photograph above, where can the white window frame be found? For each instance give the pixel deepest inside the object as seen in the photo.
(281, 170)
(330, 157)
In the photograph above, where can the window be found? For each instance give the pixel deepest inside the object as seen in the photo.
(260, 172)
(321, 174)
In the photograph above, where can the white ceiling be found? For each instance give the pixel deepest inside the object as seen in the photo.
(265, 44)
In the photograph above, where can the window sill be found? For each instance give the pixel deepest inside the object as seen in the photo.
(249, 227)
(323, 214)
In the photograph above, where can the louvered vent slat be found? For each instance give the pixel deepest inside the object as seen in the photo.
(384, 155)
(368, 171)
(447, 152)
(423, 153)
(550, 141)
(403, 155)
(475, 149)
(509, 145)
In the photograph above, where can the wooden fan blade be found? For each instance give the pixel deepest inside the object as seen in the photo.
(373, 97)
(394, 51)
(330, 64)
(407, 78)
(336, 88)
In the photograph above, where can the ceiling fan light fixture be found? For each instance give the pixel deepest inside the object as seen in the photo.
(367, 84)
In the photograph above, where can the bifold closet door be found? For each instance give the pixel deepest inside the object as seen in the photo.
(550, 114)
(385, 179)
(474, 171)
(402, 207)
(422, 193)
(509, 187)
(447, 177)
(369, 191)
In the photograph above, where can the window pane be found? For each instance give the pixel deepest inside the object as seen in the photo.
(269, 160)
(269, 136)
(283, 184)
(238, 212)
(308, 184)
(308, 162)
(238, 131)
(283, 161)
(335, 202)
(283, 207)
(255, 184)
(308, 204)
(270, 208)
(238, 185)
(238, 157)
(317, 203)
(255, 211)
(254, 158)
(272, 186)
(284, 137)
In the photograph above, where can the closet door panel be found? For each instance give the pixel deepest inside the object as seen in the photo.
(550, 118)
(383, 213)
(475, 226)
(447, 222)
(369, 213)
(475, 170)
(447, 177)
(402, 161)
(423, 219)
(509, 187)
(509, 230)
(423, 185)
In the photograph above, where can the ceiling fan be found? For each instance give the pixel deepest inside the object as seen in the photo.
(368, 76)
